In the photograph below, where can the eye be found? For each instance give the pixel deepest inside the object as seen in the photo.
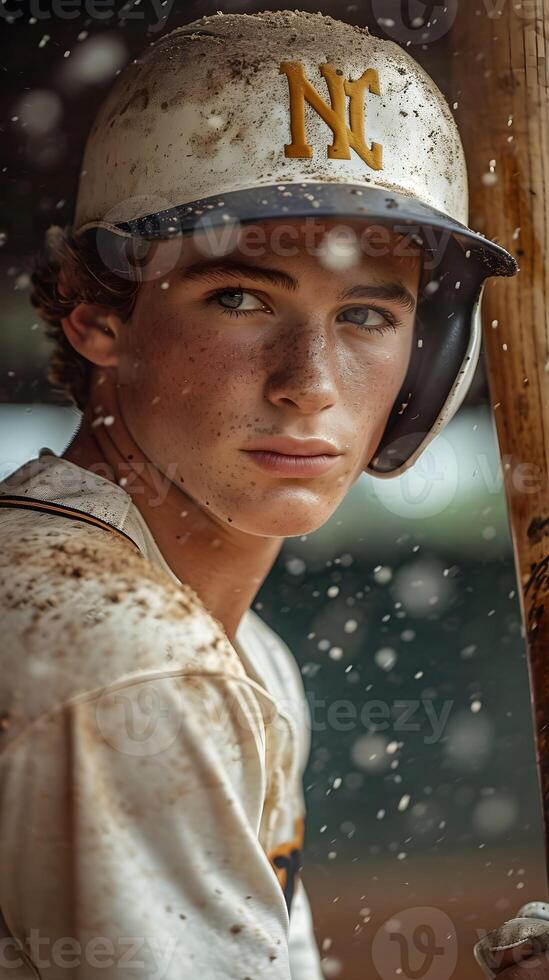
(238, 301)
(368, 318)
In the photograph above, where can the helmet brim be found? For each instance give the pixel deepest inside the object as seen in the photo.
(316, 200)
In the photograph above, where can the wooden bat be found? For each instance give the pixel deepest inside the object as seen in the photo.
(499, 68)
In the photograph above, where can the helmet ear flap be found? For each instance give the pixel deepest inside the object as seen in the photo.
(444, 348)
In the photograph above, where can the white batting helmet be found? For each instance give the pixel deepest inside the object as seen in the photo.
(249, 117)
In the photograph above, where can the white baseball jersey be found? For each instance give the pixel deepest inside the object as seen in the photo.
(152, 807)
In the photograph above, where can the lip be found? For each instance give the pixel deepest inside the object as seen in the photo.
(288, 446)
(281, 464)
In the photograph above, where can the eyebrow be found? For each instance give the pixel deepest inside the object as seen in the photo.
(394, 292)
(216, 270)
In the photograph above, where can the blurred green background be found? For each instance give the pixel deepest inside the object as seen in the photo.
(402, 611)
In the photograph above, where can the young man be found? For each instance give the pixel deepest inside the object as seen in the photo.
(270, 287)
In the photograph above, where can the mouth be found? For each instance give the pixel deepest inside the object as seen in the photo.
(289, 446)
(281, 464)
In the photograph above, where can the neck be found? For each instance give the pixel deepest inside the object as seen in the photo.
(223, 565)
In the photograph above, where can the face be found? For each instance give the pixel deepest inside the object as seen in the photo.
(261, 385)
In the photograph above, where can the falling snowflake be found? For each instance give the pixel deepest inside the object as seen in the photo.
(385, 658)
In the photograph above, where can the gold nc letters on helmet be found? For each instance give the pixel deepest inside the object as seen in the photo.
(335, 116)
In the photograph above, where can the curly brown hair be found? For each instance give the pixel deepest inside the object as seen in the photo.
(90, 267)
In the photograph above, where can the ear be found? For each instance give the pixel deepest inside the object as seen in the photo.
(95, 332)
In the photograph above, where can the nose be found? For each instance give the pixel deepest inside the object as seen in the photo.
(303, 376)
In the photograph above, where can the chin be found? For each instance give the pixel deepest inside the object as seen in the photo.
(290, 517)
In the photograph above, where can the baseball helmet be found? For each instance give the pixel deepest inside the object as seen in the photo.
(251, 117)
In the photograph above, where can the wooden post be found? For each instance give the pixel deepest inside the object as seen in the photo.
(499, 57)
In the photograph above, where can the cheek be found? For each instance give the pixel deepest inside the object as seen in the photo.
(373, 392)
(186, 385)
(379, 374)
(396, 366)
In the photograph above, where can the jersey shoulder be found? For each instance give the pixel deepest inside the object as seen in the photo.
(81, 609)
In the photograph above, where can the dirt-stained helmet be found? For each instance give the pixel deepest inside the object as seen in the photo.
(250, 117)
